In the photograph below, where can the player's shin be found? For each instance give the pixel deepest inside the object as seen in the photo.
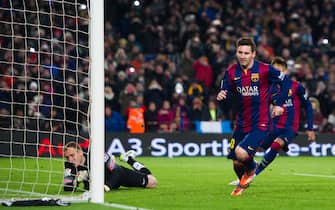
(250, 164)
(238, 168)
(268, 157)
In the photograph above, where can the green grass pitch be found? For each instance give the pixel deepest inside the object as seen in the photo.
(202, 183)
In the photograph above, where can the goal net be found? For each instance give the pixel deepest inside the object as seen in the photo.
(44, 93)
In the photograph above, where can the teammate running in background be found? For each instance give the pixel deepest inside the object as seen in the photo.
(251, 81)
(76, 171)
(285, 127)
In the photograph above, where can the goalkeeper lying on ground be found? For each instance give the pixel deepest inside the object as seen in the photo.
(115, 175)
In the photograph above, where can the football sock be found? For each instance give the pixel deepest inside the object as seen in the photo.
(250, 164)
(268, 157)
(239, 170)
(138, 166)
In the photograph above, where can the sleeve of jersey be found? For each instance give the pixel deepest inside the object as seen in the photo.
(274, 93)
(278, 77)
(109, 161)
(307, 105)
(225, 83)
(69, 177)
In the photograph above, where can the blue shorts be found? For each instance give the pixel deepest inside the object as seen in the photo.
(286, 135)
(248, 141)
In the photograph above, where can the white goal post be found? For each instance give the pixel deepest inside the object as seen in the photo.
(51, 93)
(97, 93)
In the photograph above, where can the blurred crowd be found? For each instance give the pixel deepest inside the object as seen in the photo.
(174, 54)
(44, 64)
(164, 60)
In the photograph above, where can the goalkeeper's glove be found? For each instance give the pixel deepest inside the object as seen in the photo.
(82, 176)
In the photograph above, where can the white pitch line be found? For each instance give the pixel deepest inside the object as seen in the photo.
(122, 206)
(314, 175)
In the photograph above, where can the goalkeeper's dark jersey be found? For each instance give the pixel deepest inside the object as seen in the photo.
(70, 175)
(71, 181)
(115, 175)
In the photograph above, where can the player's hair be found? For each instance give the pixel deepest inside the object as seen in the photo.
(74, 145)
(316, 102)
(248, 41)
(279, 61)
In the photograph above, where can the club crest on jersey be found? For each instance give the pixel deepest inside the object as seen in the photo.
(289, 92)
(255, 77)
(248, 90)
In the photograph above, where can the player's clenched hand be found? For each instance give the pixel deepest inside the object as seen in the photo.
(221, 95)
(310, 135)
(82, 176)
(277, 111)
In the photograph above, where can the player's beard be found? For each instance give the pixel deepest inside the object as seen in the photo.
(247, 64)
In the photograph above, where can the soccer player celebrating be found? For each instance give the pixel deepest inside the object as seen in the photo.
(285, 127)
(251, 81)
(76, 170)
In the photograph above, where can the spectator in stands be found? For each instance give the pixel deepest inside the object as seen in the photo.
(44, 106)
(185, 67)
(135, 113)
(331, 121)
(318, 119)
(18, 119)
(5, 96)
(197, 109)
(203, 71)
(180, 32)
(55, 122)
(19, 97)
(155, 93)
(212, 112)
(5, 121)
(196, 47)
(127, 95)
(265, 50)
(111, 99)
(195, 90)
(182, 114)
(139, 100)
(114, 122)
(150, 118)
(165, 118)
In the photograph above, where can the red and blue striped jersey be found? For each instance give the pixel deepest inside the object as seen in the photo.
(253, 88)
(296, 99)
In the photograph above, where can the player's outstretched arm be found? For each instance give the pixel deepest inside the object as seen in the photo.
(278, 77)
(301, 92)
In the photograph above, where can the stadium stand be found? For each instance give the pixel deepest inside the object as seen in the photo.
(166, 50)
